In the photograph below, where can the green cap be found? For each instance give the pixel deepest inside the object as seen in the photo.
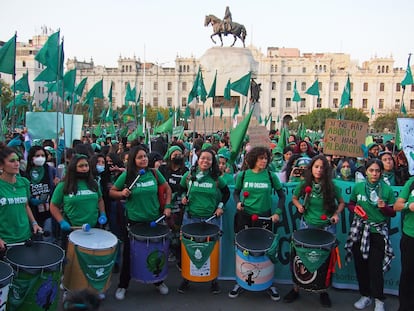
(206, 146)
(171, 150)
(224, 153)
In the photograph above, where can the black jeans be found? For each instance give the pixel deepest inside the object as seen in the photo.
(406, 288)
(369, 271)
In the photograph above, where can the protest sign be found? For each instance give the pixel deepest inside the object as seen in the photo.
(259, 136)
(406, 130)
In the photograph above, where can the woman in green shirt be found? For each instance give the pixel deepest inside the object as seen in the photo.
(368, 242)
(142, 206)
(16, 218)
(320, 208)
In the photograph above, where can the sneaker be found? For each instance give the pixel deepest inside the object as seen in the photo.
(273, 293)
(215, 288)
(325, 300)
(101, 296)
(363, 302)
(379, 305)
(120, 293)
(291, 296)
(162, 288)
(236, 291)
(185, 285)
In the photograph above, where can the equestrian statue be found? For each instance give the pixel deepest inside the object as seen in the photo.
(225, 27)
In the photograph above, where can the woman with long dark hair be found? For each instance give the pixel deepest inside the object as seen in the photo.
(207, 193)
(368, 242)
(142, 206)
(320, 207)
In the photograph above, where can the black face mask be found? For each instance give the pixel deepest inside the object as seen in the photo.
(178, 160)
(82, 175)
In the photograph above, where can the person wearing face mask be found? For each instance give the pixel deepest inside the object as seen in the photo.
(43, 180)
(345, 170)
(173, 170)
(77, 200)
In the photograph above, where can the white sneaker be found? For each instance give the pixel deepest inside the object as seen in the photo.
(379, 305)
(120, 293)
(363, 302)
(162, 288)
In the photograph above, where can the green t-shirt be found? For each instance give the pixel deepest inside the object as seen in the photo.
(259, 189)
(80, 208)
(142, 205)
(14, 221)
(228, 178)
(204, 194)
(408, 222)
(360, 195)
(315, 212)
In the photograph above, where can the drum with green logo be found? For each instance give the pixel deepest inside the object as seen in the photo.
(311, 253)
(38, 270)
(90, 258)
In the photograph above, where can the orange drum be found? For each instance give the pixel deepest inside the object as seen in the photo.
(200, 246)
(90, 259)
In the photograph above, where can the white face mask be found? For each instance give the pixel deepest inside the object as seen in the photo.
(39, 161)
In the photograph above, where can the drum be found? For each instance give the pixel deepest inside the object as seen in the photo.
(38, 270)
(6, 274)
(310, 258)
(149, 252)
(90, 259)
(254, 269)
(200, 251)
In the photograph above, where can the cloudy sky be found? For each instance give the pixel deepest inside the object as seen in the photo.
(159, 30)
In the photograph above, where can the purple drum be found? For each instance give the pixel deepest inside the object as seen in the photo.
(149, 252)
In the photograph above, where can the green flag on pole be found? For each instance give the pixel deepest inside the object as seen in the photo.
(95, 92)
(346, 94)
(242, 85)
(372, 111)
(296, 96)
(236, 110)
(212, 92)
(408, 79)
(80, 87)
(22, 84)
(198, 90)
(227, 95)
(237, 136)
(403, 110)
(69, 80)
(8, 56)
(314, 89)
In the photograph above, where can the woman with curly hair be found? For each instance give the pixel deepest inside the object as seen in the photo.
(320, 208)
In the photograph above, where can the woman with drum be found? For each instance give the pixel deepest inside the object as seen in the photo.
(77, 200)
(254, 207)
(16, 218)
(206, 194)
(138, 186)
(322, 203)
(368, 241)
(405, 204)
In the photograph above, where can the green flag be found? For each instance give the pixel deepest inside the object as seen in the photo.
(19, 101)
(211, 112)
(45, 104)
(8, 56)
(346, 94)
(212, 92)
(398, 137)
(314, 89)
(296, 96)
(260, 120)
(227, 95)
(408, 79)
(98, 129)
(95, 92)
(372, 111)
(236, 110)
(160, 116)
(129, 94)
(283, 139)
(198, 90)
(80, 87)
(69, 81)
(22, 84)
(242, 85)
(166, 127)
(403, 110)
(198, 113)
(244, 108)
(51, 55)
(187, 113)
(237, 136)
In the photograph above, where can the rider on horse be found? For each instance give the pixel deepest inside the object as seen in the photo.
(227, 21)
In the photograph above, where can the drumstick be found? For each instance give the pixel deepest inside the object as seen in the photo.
(210, 218)
(27, 243)
(190, 183)
(256, 217)
(154, 223)
(140, 173)
(308, 189)
(84, 227)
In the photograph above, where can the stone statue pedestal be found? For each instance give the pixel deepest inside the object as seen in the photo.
(230, 62)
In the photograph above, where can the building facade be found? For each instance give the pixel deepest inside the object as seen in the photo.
(374, 85)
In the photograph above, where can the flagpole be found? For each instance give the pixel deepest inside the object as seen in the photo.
(14, 108)
(143, 98)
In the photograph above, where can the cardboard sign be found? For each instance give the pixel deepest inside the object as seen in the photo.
(344, 138)
(406, 131)
(259, 136)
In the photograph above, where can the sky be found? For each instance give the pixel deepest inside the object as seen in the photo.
(160, 30)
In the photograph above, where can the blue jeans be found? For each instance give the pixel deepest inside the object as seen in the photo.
(330, 228)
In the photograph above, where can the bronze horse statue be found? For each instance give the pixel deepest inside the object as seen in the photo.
(237, 30)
